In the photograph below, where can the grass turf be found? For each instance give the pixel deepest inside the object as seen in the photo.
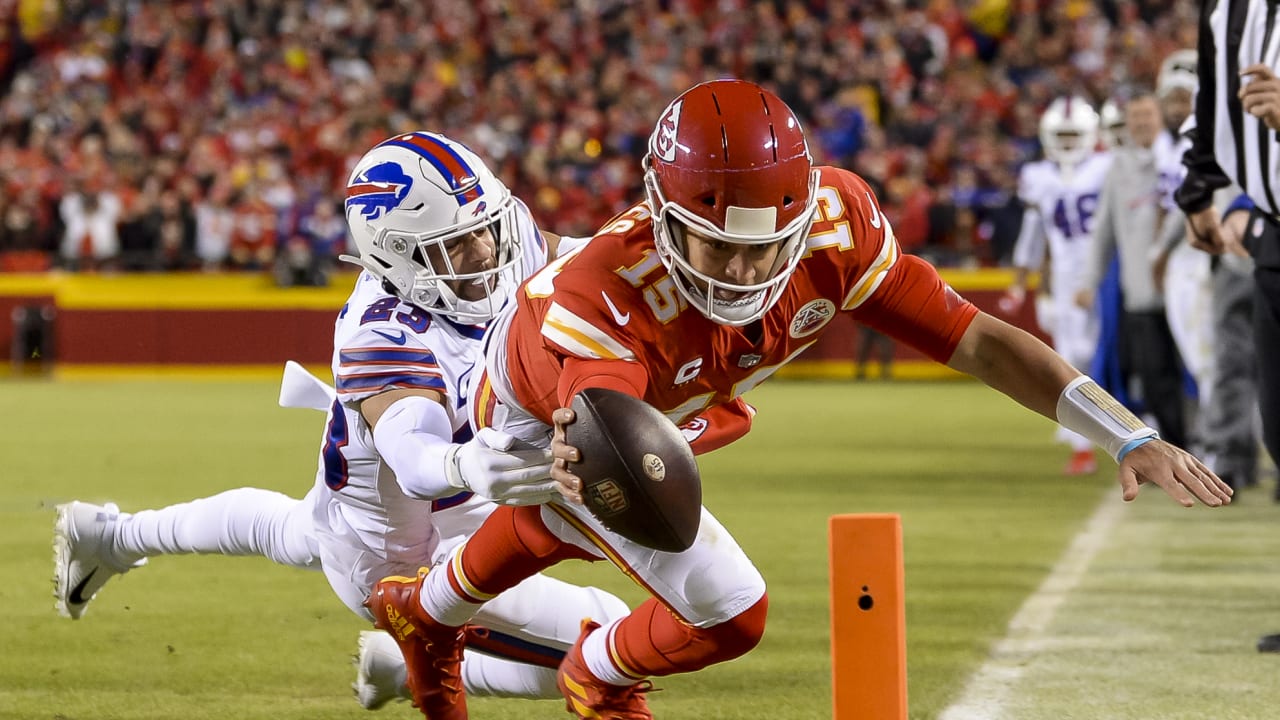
(975, 478)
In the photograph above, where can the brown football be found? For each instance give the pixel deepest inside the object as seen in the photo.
(639, 475)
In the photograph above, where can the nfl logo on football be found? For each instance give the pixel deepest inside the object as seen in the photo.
(608, 497)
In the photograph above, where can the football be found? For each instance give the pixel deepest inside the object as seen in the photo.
(639, 475)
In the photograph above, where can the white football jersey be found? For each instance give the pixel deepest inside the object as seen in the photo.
(382, 343)
(1066, 202)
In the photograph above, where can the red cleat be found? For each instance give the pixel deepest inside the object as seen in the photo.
(432, 652)
(588, 698)
(1082, 463)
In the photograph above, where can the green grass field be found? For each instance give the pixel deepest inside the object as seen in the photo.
(1161, 625)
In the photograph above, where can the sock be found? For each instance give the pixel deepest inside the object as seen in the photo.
(511, 545)
(595, 652)
(245, 521)
(441, 600)
(652, 641)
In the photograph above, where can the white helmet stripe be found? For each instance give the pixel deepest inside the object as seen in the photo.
(750, 221)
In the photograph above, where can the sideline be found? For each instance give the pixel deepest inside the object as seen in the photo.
(988, 689)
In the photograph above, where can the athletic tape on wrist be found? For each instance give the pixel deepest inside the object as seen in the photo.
(1087, 409)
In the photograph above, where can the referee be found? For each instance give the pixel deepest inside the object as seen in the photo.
(1237, 118)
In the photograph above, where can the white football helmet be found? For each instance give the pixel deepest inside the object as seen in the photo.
(1178, 72)
(412, 195)
(1069, 130)
(1111, 125)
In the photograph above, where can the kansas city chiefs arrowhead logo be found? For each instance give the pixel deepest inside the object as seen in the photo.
(812, 317)
(664, 136)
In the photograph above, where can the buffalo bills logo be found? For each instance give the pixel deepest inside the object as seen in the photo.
(664, 136)
(378, 190)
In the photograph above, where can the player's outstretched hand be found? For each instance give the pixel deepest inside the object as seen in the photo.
(1176, 471)
(496, 466)
(569, 485)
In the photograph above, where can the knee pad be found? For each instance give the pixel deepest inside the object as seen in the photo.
(742, 632)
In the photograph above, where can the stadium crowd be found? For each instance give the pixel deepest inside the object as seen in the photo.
(219, 133)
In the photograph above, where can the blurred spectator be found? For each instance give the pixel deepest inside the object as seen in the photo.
(90, 216)
(325, 230)
(298, 264)
(253, 231)
(22, 236)
(209, 99)
(214, 226)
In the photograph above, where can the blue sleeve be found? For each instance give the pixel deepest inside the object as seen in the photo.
(1242, 202)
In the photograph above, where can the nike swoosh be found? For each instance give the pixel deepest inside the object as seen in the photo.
(875, 212)
(74, 598)
(618, 317)
(397, 339)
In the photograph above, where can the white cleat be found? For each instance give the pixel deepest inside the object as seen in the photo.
(380, 671)
(81, 554)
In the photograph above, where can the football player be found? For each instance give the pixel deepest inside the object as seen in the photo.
(738, 259)
(1111, 125)
(401, 479)
(1186, 272)
(1060, 194)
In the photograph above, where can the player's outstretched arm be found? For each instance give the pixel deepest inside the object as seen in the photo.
(1020, 366)
(413, 434)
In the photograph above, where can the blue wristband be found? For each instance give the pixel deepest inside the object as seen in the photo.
(1136, 442)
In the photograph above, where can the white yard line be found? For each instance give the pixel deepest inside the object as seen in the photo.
(988, 690)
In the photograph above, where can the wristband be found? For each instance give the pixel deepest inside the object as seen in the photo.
(1087, 409)
(1124, 450)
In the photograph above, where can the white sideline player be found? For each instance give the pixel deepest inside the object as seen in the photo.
(1187, 272)
(1060, 194)
(1111, 130)
(443, 244)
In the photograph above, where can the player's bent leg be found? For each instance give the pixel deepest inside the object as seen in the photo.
(706, 585)
(84, 556)
(653, 642)
(489, 668)
(549, 612)
(709, 606)
(602, 676)
(496, 664)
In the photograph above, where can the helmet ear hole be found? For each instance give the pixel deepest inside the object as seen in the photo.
(787, 200)
(709, 200)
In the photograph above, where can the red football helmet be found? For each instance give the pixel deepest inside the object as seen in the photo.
(729, 160)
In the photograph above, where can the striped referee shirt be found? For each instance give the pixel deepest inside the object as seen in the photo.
(1230, 145)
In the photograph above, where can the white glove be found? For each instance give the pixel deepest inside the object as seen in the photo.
(490, 468)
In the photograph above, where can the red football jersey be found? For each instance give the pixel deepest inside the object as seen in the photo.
(610, 314)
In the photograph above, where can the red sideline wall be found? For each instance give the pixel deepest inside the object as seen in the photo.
(224, 319)
(179, 319)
